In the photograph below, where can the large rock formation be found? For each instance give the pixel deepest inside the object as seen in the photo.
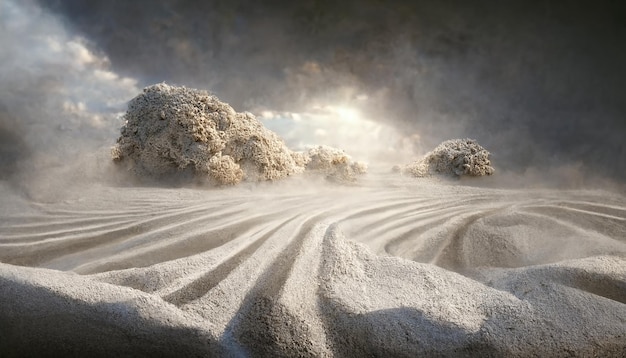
(180, 133)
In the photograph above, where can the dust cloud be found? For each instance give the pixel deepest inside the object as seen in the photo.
(59, 102)
(540, 85)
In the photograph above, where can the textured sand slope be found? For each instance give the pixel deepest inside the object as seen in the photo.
(400, 269)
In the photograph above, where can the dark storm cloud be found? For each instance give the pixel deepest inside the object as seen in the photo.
(537, 83)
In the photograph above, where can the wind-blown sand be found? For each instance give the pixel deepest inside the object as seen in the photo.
(392, 266)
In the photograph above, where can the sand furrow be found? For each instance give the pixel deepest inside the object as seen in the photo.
(68, 229)
(612, 226)
(209, 279)
(164, 245)
(263, 323)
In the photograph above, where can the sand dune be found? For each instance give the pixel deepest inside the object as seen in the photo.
(390, 267)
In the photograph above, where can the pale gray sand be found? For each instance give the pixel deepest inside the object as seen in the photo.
(389, 267)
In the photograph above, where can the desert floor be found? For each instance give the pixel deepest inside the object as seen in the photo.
(390, 266)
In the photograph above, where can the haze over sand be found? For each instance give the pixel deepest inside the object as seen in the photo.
(282, 265)
(530, 261)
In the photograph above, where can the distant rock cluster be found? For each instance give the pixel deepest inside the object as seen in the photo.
(455, 157)
(187, 134)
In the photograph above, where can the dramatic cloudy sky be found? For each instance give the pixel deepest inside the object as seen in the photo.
(541, 84)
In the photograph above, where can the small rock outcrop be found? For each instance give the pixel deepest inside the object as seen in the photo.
(455, 157)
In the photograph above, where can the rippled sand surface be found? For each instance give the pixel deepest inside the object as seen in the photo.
(389, 267)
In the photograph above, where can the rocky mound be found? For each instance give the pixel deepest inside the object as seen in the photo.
(333, 163)
(181, 133)
(455, 157)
